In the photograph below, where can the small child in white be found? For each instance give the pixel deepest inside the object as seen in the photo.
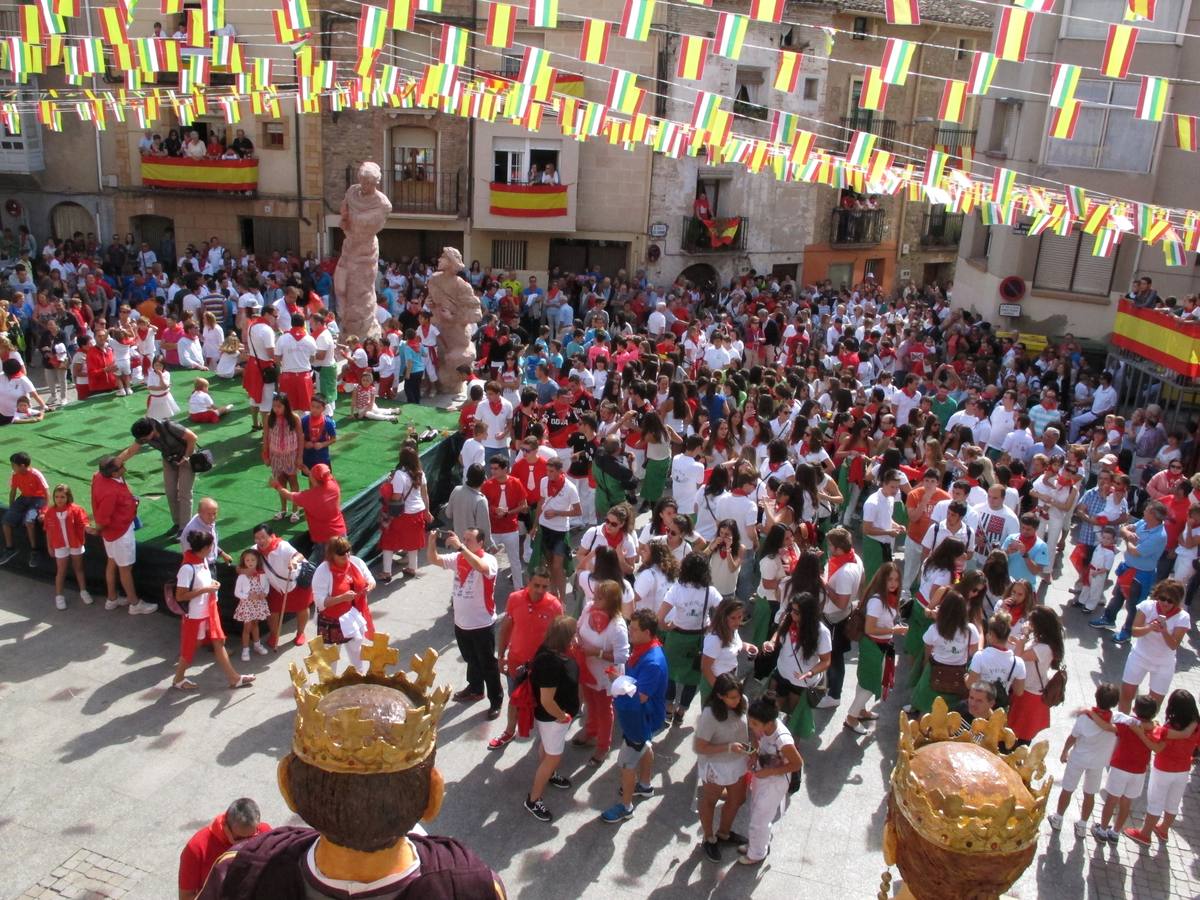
(251, 592)
(227, 361)
(362, 405)
(472, 449)
(123, 344)
(1086, 754)
(25, 415)
(201, 406)
(1098, 568)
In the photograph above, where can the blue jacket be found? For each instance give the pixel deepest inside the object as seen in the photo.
(640, 721)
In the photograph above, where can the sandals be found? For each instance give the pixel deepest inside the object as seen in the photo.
(581, 740)
(857, 727)
(384, 578)
(408, 572)
(185, 685)
(279, 516)
(295, 517)
(243, 681)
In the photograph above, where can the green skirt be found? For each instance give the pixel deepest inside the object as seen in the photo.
(923, 694)
(655, 479)
(683, 650)
(870, 666)
(914, 642)
(872, 557)
(327, 383)
(800, 722)
(608, 491)
(760, 620)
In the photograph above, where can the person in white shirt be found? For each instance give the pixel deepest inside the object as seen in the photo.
(843, 581)
(716, 357)
(1001, 423)
(1086, 754)
(996, 664)
(687, 476)
(1017, 444)
(190, 348)
(880, 529)
(656, 323)
(473, 452)
(340, 586)
(294, 351)
(559, 503)
(1104, 401)
(496, 413)
(260, 352)
(1158, 629)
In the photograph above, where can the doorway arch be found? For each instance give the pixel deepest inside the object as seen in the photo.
(703, 276)
(156, 231)
(67, 218)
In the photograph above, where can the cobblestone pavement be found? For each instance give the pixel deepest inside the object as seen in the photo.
(105, 772)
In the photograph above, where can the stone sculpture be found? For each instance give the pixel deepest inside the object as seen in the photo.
(364, 213)
(456, 313)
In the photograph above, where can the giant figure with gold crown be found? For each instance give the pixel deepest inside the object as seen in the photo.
(361, 773)
(963, 816)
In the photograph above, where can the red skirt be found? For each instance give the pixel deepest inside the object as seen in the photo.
(252, 380)
(299, 389)
(298, 599)
(1027, 715)
(189, 633)
(405, 533)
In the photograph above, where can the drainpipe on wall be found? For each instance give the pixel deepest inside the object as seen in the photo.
(912, 114)
(299, 174)
(87, 6)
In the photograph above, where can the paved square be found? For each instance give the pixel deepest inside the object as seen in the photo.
(99, 759)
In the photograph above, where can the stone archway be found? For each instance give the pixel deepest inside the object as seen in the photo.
(68, 218)
(703, 276)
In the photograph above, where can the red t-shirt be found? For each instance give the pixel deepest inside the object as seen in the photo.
(30, 483)
(202, 851)
(514, 495)
(322, 505)
(466, 417)
(1176, 756)
(1130, 754)
(529, 623)
(530, 477)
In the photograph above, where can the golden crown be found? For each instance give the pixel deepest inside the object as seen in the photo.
(347, 742)
(949, 819)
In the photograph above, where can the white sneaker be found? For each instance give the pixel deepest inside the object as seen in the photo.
(1081, 828)
(60, 602)
(142, 608)
(111, 604)
(86, 598)
(245, 654)
(260, 649)
(828, 702)
(1055, 821)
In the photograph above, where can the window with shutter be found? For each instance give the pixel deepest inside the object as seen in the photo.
(1056, 262)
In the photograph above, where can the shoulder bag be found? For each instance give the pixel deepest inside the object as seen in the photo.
(856, 622)
(1053, 691)
(304, 575)
(698, 659)
(270, 371)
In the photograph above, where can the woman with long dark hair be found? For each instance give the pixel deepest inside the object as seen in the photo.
(949, 644)
(1041, 647)
(710, 500)
(404, 513)
(876, 650)
(657, 439)
(685, 615)
(724, 554)
(721, 741)
(937, 574)
(723, 644)
(805, 647)
(283, 450)
(659, 571)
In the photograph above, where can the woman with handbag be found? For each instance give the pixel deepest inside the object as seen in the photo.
(286, 570)
(876, 647)
(339, 589)
(723, 645)
(404, 513)
(774, 761)
(805, 647)
(1041, 647)
(721, 742)
(937, 574)
(950, 642)
(684, 615)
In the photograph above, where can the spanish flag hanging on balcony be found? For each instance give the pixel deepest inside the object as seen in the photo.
(528, 201)
(1118, 50)
(1012, 37)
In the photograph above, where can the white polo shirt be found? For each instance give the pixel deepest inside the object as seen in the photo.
(496, 422)
(567, 497)
(878, 511)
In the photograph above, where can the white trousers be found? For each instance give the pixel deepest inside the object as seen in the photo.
(511, 542)
(766, 803)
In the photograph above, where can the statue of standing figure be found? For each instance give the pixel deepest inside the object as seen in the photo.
(456, 313)
(364, 213)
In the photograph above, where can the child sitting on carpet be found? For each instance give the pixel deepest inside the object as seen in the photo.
(363, 406)
(227, 360)
(201, 407)
(26, 416)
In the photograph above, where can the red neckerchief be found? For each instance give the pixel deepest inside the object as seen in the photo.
(273, 544)
(192, 559)
(346, 578)
(553, 487)
(598, 620)
(1027, 542)
(1105, 714)
(613, 542)
(317, 331)
(316, 427)
(496, 405)
(891, 600)
(775, 467)
(415, 343)
(836, 562)
(299, 332)
(425, 329)
(636, 653)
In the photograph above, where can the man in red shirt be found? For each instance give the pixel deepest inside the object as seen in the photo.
(527, 617)
(507, 499)
(238, 823)
(28, 494)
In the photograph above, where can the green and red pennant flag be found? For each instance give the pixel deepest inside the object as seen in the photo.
(983, 70)
(1037, 6)
(897, 58)
(693, 51)
(731, 34)
(636, 18)
(296, 13)
(543, 13)
(902, 12)
(1118, 50)
(501, 25)
(623, 93)
(453, 50)
(704, 110)
(1064, 83)
(372, 27)
(593, 47)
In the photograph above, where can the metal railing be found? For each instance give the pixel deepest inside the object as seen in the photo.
(698, 239)
(420, 189)
(884, 129)
(942, 229)
(953, 138)
(856, 226)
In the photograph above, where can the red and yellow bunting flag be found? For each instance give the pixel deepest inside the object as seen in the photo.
(787, 76)
(1186, 133)
(501, 25)
(1139, 9)
(766, 10)
(1012, 36)
(593, 46)
(284, 33)
(902, 12)
(954, 101)
(112, 26)
(402, 14)
(71, 7)
(874, 90)
(693, 52)
(1063, 119)
(1118, 50)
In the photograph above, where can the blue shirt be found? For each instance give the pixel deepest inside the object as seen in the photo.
(1018, 568)
(1150, 546)
(409, 355)
(641, 721)
(328, 431)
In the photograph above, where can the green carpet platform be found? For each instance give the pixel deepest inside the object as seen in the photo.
(69, 443)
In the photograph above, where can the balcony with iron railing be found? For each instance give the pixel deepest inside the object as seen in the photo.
(883, 129)
(717, 235)
(942, 229)
(948, 138)
(856, 227)
(417, 189)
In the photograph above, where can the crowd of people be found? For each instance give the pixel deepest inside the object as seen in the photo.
(824, 474)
